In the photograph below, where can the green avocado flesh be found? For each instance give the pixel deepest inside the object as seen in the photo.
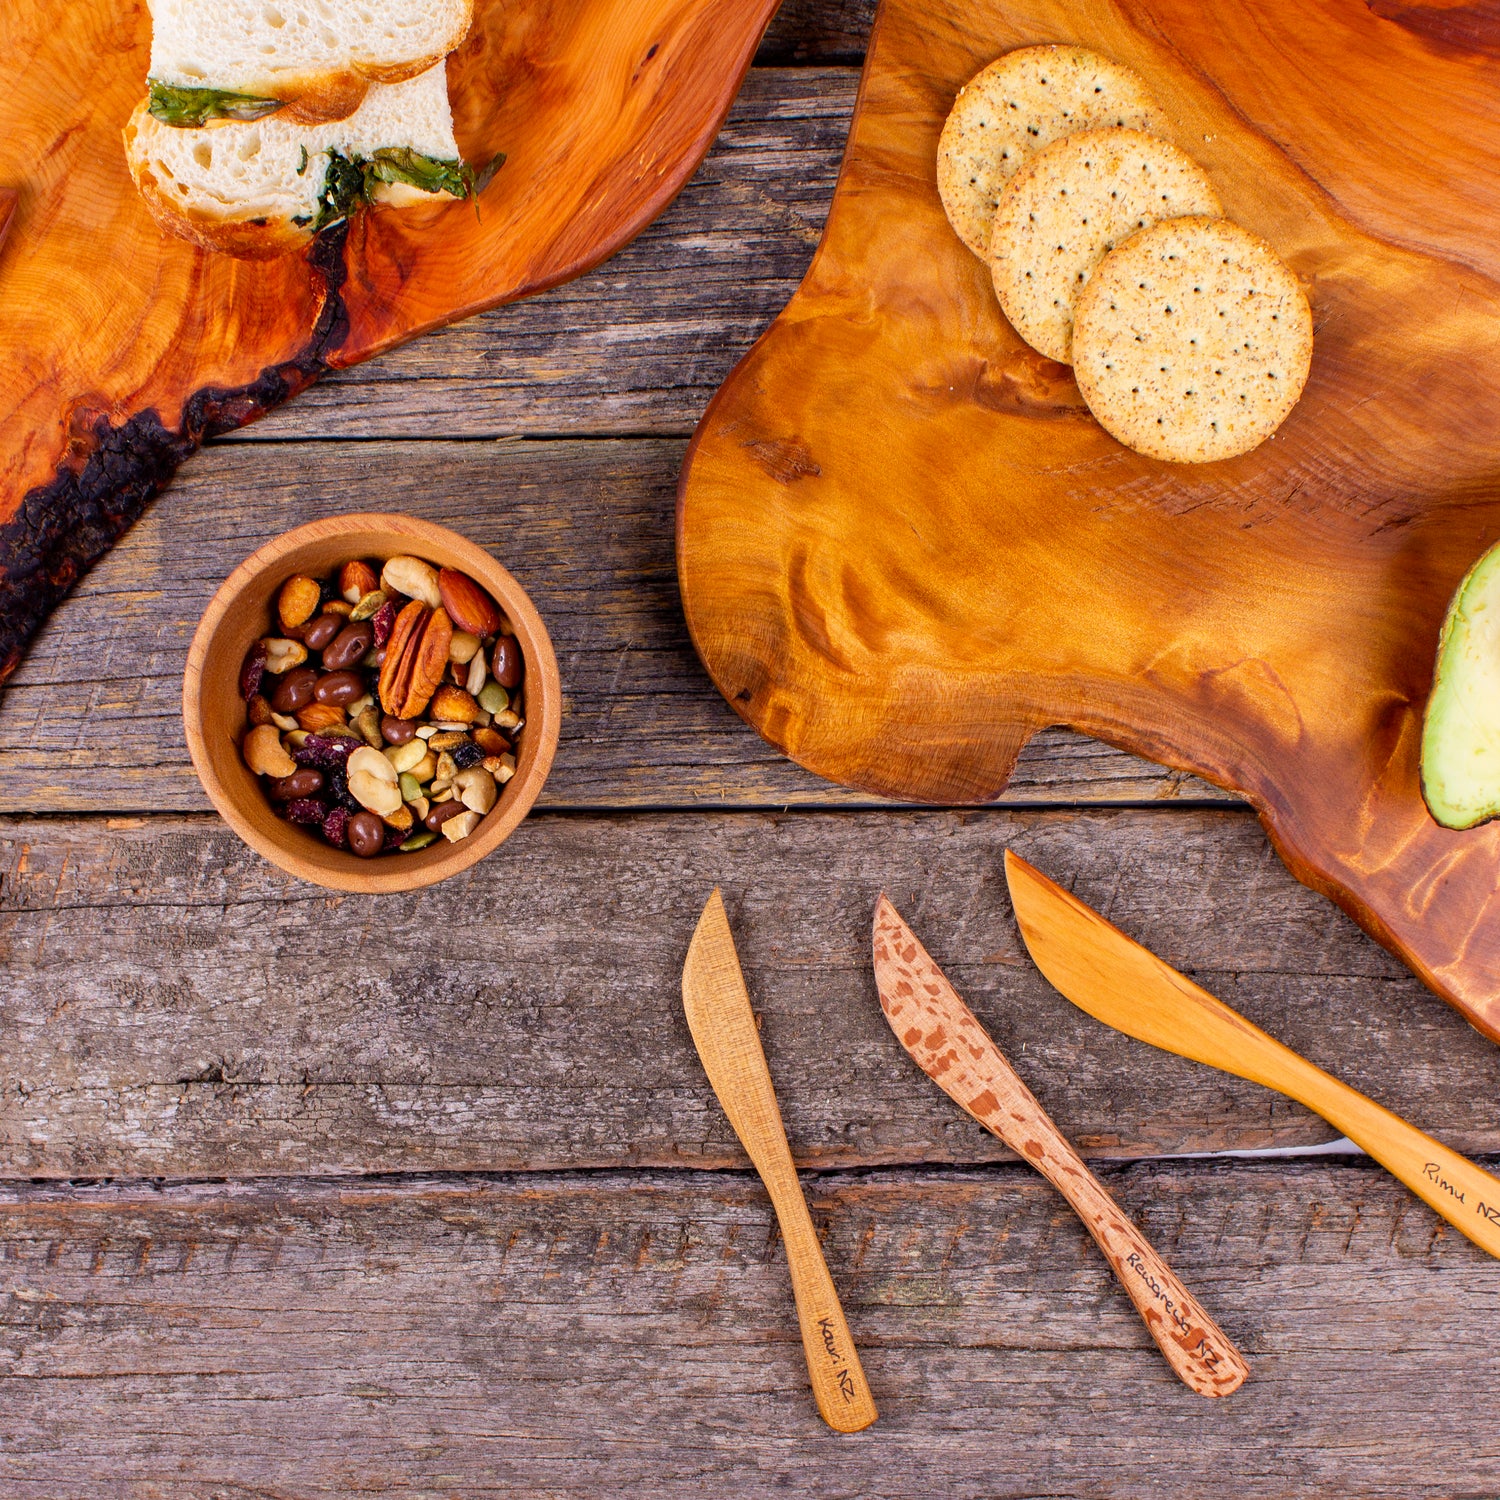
(1461, 733)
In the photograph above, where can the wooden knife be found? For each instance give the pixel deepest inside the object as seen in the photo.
(1124, 985)
(947, 1042)
(724, 1031)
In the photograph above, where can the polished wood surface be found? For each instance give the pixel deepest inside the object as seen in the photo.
(1124, 985)
(127, 347)
(904, 546)
(727, 1037)
(947, 1042)
(306, 1193)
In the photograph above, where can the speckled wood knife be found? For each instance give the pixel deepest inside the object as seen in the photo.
(945, 1038)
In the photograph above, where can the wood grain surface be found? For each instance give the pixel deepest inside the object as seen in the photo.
(176, 1007)
(905, 546)
(92, 720)
(630, 1333)
(128, 346)
(645, 342)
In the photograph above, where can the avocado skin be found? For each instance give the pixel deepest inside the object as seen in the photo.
(1458, 796)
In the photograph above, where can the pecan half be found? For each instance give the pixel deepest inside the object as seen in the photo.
(415, 659)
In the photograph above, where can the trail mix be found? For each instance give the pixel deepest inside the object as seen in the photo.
(386, 712)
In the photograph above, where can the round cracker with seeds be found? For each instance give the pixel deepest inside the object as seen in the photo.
(1192, 341)
(1068, 207)
(1017, 106)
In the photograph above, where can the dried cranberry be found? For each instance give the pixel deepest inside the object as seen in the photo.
(395, 837)
(338, 790)
(252, 671)
(336, 827)
(466, 755)
(382, 620)
(305, 810)
(326, 752)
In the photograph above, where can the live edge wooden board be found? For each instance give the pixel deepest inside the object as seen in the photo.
(124, 348)
(904, 546)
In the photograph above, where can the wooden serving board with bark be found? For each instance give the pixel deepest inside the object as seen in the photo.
(125, 348)
(905, 546)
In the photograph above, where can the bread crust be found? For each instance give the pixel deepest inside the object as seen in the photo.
(324, 95)
(245, 237)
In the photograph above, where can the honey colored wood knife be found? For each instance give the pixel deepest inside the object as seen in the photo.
(1120, 983)
(724, 1031)
(947, 1042)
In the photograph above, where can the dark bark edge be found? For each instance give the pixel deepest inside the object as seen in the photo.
(62, 528)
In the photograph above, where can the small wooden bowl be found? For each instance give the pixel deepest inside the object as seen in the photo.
(214, 713)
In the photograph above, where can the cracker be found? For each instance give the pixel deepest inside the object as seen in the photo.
(1193, 341)
(1068, 207)
(1015, 107)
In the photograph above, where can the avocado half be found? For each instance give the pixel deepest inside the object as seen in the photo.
(1461, 731)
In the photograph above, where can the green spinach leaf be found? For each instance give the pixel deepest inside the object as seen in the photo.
(189, 108)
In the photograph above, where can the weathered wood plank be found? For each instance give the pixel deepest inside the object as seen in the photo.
(92, 720)
(174, 1006)
(633, 1334)
(641, 343)
(818, 31)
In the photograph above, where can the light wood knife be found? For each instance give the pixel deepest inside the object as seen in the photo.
(947, 1042)
(1115, 980)
(724, 1031)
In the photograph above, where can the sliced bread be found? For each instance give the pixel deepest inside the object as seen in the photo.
(316, 56)
(255, 188)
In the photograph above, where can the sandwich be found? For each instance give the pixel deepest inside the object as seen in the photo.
(258, 188)
(266, 121)
(305, 60)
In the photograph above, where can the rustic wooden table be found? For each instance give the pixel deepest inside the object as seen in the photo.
(307, 1194)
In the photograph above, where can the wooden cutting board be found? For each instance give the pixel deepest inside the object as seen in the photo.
(124, 348)
(904, 546)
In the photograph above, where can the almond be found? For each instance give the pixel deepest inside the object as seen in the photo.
(454, 705)
(470, 607)
(318, 716)
(298, 600)
(356, 579)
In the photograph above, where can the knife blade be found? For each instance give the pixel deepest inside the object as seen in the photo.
(724, 1031)
(947, 1042)
(1117, 981)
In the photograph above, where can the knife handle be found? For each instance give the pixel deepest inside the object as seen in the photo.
(838, 1381)
(1194, 1345)
(1461, 1191)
